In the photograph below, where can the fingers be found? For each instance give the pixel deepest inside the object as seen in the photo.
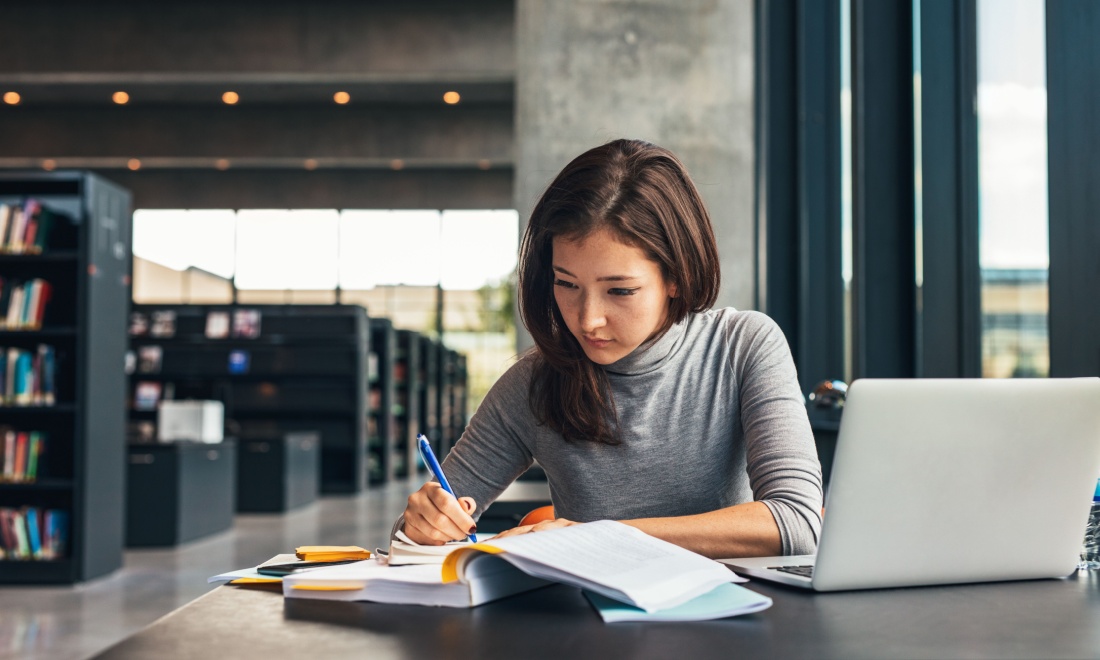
(434, 517)
(538, 527)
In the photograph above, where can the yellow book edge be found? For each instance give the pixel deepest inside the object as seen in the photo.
(451, 561)
(256, 580)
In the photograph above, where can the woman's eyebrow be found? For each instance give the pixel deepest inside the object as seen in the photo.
(606, 278)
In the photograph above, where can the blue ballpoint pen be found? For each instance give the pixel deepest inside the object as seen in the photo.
(433, 465)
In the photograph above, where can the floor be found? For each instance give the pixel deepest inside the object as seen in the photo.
(50, 623)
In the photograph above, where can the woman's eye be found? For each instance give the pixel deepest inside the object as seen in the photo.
(563, 283)
(622, 292)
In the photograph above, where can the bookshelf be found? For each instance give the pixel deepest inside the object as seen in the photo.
(428, 386)
(383, 348)
(452, 397)
(276, 368)
(407, 404)
(79, 247)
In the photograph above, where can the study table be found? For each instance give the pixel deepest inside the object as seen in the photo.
(1033, 619)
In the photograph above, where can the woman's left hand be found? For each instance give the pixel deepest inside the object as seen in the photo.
(537, 527)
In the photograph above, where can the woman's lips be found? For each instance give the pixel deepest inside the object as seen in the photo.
(597, 342)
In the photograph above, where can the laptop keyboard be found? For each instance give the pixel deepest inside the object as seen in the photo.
(804, 571)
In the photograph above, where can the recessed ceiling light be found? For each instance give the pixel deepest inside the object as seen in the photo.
(134, 164)
(49, 164)
(231, 98)
(222, 164)
(451, 98)
(12, 98)
(483, 164)
(121, 98)
(397, 164)
(341, 97)
(310, 164)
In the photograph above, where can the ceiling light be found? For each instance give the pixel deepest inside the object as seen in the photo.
(341, 97)
(222, 164)
(49, 165)
(134, 164)
(121, 98)
(483, 164)
(451, 98)
(12, 98)
(310, 164)
(397, 164)
(231, 98)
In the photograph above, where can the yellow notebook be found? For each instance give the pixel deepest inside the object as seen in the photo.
(330, 552)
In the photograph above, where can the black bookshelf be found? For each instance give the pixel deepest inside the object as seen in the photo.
(383, 348)
(282, 368)
(407, 403)
(430, 393)
(86, 261)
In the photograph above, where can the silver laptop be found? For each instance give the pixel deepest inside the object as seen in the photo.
(947, 481)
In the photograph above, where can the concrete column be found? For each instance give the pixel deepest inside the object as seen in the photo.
(678, 73)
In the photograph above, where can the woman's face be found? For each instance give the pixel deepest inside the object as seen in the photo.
(612, 297)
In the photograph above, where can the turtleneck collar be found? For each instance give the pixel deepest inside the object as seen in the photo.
(651, 354)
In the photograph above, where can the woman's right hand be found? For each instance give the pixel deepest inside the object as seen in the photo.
(434, 516)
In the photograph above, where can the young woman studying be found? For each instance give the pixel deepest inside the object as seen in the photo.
(640, 402)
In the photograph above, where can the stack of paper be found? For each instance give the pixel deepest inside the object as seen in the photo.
(608, 558)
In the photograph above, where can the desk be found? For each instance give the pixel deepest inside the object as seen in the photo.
(1045, 618)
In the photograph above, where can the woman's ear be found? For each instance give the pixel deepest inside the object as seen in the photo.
(673, 291)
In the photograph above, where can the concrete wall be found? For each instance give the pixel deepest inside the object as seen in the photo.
(678, 73)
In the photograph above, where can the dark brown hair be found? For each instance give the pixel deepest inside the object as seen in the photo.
(644, 196)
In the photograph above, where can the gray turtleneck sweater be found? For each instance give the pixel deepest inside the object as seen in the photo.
(711, 416)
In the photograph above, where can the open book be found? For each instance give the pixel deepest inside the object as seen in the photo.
(605, 557)
(405, 551)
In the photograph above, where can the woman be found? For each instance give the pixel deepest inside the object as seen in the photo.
(640, 402)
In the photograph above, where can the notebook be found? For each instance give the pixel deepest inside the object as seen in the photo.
(948, 481)
(605, 557)
(404, 551)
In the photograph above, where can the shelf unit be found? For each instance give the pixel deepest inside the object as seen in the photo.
(383, 348)
(452, 397)
(407, 404)
(87, 262)
(429, 390)
(305, 370)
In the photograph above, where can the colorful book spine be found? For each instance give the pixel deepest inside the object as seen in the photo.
(21, 455)
(28, 378)
(24, 229)
(31, 533)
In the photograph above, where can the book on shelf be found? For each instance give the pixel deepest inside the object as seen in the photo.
(163, 323)
(147, 394)
(21, 455)
(217, 325)
(139, 324)
(23, 303)
(246, 323)
(150, 359)
(24, 229)
(28, 378)
(33, 533)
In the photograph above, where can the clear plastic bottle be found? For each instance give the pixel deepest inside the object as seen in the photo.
(1090, 550)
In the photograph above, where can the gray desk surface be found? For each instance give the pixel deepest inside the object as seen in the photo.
(1037, 619)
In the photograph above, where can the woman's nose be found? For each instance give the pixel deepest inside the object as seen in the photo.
(591, 314)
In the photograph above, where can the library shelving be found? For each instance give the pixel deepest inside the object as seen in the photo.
(452, 410)
(383, 348)
(429, 393)
(277, 369)
(65, 266)
(407, 404)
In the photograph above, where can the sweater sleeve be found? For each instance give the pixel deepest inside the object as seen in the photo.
(497, 445)
(784, 471)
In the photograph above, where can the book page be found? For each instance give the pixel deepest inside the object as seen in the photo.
(618, 561)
